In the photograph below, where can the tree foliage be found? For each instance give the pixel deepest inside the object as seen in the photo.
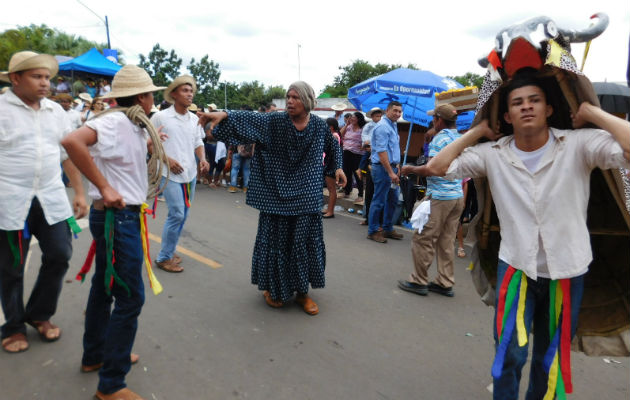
(357, 72)
(207, 74)
(162, 66)
(468, 79)
(42, 39)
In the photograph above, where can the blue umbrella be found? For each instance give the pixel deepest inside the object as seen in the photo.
(414, 89)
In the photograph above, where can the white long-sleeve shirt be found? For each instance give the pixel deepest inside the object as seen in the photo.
(30, 157)
(550, 203)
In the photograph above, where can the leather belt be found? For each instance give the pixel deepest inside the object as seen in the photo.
(99, 204)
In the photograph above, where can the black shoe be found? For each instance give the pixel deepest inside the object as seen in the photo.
(328, 216)
(434, 287)
(411, 287)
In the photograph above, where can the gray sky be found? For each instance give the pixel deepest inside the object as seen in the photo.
(258, 40)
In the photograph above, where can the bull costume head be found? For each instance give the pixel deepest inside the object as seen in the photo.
(539, 44)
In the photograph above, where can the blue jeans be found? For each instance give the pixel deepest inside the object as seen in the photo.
(237, 161)
(109, 335)
(177, 214)
(384, 200)
(55, 241)
(536, 311)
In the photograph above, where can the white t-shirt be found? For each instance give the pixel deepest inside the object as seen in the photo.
(531, 159)
(184, 136)
(120, 153)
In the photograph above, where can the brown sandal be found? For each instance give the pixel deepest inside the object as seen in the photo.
(271, 302)
(95, 367)
(46, 330)
(15, 343)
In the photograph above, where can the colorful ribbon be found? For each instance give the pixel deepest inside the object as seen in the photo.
(186, 193)
(15, 244)
(144, 231)
(88, 263)
(74, 227)
(511, 315)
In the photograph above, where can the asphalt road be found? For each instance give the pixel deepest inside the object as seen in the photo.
(210, 335)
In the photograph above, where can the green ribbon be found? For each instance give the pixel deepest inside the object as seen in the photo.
(110, 273)
(74, 227)
(15, 249)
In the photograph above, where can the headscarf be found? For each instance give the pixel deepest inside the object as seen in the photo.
(306, 93)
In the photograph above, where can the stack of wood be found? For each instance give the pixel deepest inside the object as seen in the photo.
(464, 99)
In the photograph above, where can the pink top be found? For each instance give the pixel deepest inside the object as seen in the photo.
(352, 140)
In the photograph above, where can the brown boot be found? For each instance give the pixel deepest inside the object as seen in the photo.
(309, 306)
(393, 235)
(271, 302)
(122, 394)
(377, 237)
(169, 266)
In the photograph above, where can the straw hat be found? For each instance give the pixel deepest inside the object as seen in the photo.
(445, 111)
(86, 97)
(64, 96)
(25, 60)
(212, 107)
(339, 107)
(373, 110)
(4, 90)
(193, 107)
(131, 80)
(180, 80)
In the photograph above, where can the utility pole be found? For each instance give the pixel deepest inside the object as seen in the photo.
(109, 46)
(299, 74)
(225, 94)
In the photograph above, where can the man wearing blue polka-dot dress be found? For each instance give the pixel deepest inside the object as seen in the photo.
(286, 186)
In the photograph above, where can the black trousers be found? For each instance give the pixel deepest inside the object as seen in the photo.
(350, 165)
(55, 242)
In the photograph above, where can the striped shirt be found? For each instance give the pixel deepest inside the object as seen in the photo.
(438, 187)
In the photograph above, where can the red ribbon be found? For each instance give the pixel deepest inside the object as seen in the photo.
(502, 295)
(565, 339)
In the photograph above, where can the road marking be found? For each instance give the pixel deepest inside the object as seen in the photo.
(195, 256)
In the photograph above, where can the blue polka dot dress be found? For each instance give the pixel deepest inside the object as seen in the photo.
(286, 186)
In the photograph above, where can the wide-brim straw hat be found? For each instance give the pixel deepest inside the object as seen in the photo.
(86, 97)
(212, 107)
(373, 110)
(131, 80)
(339, 107)
(180, 80)
(193, 107)
(25, 60)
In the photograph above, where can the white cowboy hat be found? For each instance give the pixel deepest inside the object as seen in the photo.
(180, 80)
(25, 60)
(212, 107)
(131, 80)
(339, 107)
(373, 110)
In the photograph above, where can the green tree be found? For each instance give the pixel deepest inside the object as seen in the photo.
(357, 72)
(42, 39)
(162, 66)
(468, 79)
(207, 74)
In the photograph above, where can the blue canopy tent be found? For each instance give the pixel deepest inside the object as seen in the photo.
(92, 62)
(414, 89)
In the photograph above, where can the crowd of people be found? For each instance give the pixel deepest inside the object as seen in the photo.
(133, 151)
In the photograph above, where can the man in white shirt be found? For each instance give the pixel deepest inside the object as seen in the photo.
(65, 101)
(33, 197)
(184, 142)
(539, 178)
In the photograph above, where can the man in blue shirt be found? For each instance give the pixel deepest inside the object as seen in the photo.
(385, 158)
(447, 204)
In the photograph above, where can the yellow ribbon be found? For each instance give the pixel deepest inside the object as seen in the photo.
(553, 379)
(520, 313)
(155, 284)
